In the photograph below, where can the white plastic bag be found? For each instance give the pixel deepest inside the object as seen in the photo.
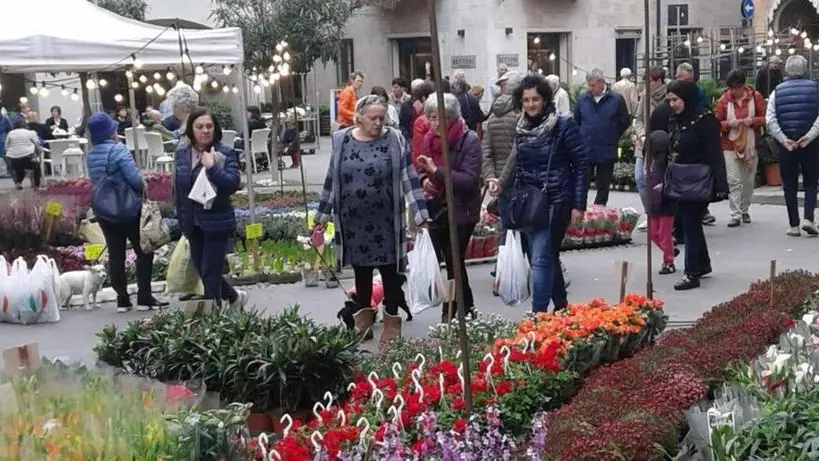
(49, 299)
(512, 273)
(22, 308)
(424, 281)
(4, 275)
(39, 297)
(202, 191)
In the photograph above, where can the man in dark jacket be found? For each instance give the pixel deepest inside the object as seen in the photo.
(769, 77)
(470, 107)
(792, 118)
(603, 118)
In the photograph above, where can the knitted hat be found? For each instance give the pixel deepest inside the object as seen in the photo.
(100, 127)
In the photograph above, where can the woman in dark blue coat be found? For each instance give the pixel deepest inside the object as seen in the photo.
(208, 228)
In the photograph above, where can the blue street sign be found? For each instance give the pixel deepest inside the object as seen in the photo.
(747, 9)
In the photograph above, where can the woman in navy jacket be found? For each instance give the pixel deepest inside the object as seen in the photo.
(208, 229)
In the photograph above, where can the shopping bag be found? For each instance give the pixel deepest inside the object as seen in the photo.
(424, 281)
(153, 231)
(202, 191)
(90, 232)
(512, 273)
(18, 293)
(40, 296)
(51, 275)
(182, 276)
(4, 300)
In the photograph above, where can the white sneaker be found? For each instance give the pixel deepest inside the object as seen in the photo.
(143, 308)
(643, 226)
(809, 227)
(566, 280)
(241, 300)
(794, 232)
(122, 310)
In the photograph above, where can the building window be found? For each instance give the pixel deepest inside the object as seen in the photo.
(677, 15)
(543, 52)
(415, 58)
(625, 54)
(345, 64)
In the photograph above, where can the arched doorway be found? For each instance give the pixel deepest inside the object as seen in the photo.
(798, 14)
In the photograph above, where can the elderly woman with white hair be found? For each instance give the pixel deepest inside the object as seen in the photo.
(792, 118)
(627, 89)
(465, 169)
(183, 100)
(563, 103)
(369, 175)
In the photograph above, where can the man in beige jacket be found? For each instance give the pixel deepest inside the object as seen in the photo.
(627, 89)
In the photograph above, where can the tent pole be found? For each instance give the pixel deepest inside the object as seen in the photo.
(248, 160)
(647, 155)
(134, 119)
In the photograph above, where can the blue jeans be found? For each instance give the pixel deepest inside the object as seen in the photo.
(640, 180)
(548, 284)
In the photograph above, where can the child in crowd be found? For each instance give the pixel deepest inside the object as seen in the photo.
(660, 209)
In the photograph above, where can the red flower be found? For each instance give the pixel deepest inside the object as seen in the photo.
(790, 323)
(458, 404)
(178, 393)
(459, 426)
(503, 388)
(290, 449)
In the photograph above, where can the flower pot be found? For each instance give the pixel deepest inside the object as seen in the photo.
(311, 277)
(330, 280)
(773, 177)
(259, 422)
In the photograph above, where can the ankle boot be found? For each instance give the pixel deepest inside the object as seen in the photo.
(391, 331)
(364, 320)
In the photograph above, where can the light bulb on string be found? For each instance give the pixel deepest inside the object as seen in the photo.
(699, 39)
(574, 71)
(118, 97)
(225, 89)
(770, 32)
(791, 51)
(170, 76)
(23, 100)
(722, 46)
(200, 70)
(778, 52)
(264, 82)
(252, 77)
(33, 89)
(284, 43)
(103, 83)
(75, 96)
(44, 92)
(808, 45)
(90, 84)
(286, 56)
(143, 79)
(759, 49)
(277, 59)
(552, 57)
(776, 40)
(226, 70)
(741, 50)
(803, 34)
(160, 90)
(157, 76)
(794, 31)
(149, 89)
(214, 84)
(63, 91)
(257, 89)
(137, 62)
(275, 77)
(279, 47)
(129, 74)
(235, 89)
(769, 42)
(687, 43)
(135, 85)
(271, 69)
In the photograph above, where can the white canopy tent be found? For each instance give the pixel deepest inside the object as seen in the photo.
(78, 36)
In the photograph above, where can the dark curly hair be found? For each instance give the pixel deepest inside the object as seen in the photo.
(544, 90)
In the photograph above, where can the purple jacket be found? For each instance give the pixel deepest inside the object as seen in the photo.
(465, 164)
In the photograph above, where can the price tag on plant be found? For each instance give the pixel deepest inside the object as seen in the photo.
(54, 208)
(254, 231)
(93, 251)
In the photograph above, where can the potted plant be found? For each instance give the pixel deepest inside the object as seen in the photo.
(325, 123)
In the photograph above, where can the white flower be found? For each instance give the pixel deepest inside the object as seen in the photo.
(797, 340)
(779, 362)
(771, 353)
(809, 317)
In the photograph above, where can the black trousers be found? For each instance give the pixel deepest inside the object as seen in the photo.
(601, 173)
(440, 240)
(392, 281)
(116, 235)
(791, 164)
(208, 253)
(19, 167)
(697, 259)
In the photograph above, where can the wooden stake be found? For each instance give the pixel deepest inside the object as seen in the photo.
(449, 296)
(646, 147)
(772, 277)
(450, 198)
(257, 257)
(623, 269)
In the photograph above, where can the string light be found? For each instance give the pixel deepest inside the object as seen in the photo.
(33, 89)
(23, 100)
(722, 46)
(134, 85)
(225, 89)
(791, 51)
(552, 57)
(741, 49)
(75, 96)
(143, 79)
(103, 83)
(778, 52)
(257, 89)
(200, 70)
(170, 76)
(90, 84)
(157, 76)
(235, 89)
(137, 62)
(227, 69)
(149, 89)
(129, 74)
(160, 91)
(699, 39)
(118, 97)
(44, 91)
(687, 43)
(214, 84)
(63, 91)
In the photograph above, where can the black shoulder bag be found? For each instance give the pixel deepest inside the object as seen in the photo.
(528, 207)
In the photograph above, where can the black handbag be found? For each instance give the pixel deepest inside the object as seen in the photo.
(527, 208)
(113, 200)
(688, 182)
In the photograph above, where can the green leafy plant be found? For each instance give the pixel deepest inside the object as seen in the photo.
(221, 112)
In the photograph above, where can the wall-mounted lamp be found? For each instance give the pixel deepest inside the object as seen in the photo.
(461, 33)
(508, 31)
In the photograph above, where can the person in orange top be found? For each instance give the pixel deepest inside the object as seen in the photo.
(741, 112)
(347, 100)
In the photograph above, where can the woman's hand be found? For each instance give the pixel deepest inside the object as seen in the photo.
(494, 187)
(426, 164)
(430, 187)
(734, 123)
(577, 217)
(207, 159)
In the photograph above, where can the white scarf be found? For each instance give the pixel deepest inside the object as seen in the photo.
(750, 134)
